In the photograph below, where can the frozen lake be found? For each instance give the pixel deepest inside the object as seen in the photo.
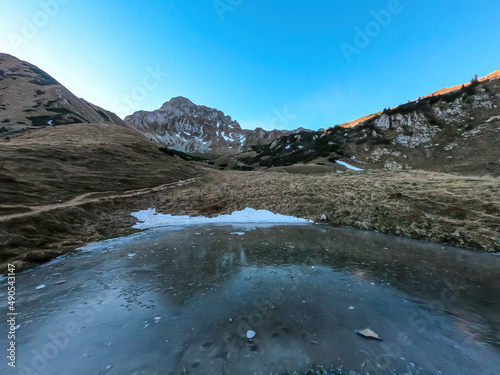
(184, 301)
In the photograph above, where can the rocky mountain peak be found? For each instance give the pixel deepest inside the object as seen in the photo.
(185, 126)
(177, 102)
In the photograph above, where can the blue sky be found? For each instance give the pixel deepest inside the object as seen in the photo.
(274, 64)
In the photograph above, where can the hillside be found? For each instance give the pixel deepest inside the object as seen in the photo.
(59, 163)
(446, 90)
(454, 132)
(182, 125)
(65, 185)
(30, 99)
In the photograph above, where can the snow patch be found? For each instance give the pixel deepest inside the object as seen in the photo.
(150, 218)
(348, 166)
(494, 118)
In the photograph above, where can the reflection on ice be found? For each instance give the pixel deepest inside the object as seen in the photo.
(278, 299)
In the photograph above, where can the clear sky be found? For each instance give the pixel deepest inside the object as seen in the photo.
(275, 64)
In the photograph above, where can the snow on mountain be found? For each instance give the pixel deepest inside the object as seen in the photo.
(182, 125)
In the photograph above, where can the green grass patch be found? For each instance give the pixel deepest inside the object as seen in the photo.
(181, 154)
(44, 79)
(103, 115)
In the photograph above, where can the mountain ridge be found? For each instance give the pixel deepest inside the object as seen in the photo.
(30, 98)
(456, 131)
(185, 126)
(446, 90)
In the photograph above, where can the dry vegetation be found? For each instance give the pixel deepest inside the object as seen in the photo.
(100, 165)
(41, 170)
(460, 211)
(37, 238)
(55, 164)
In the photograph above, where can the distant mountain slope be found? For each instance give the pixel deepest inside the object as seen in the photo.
(491, 76)
(58, 163)
(182, 125)
(456, 131)
(30, 98)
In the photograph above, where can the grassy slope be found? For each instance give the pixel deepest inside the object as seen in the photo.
(460, 211)
(57, 164)
(467, 134)
(30, 99)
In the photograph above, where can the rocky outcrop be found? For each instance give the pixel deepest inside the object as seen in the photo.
(457, 132)
(182, 125)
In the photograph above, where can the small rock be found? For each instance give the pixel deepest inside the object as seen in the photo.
(250, 334)
(60, 282)
(368, 333)
(323, 217)
(40, 286)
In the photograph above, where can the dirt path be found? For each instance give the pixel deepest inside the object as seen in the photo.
(94, 197)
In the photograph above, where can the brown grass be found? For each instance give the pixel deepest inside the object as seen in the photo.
(459, 211)
(64, 186)
(58, 163)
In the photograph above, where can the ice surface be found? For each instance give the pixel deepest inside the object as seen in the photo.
(150, 219)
